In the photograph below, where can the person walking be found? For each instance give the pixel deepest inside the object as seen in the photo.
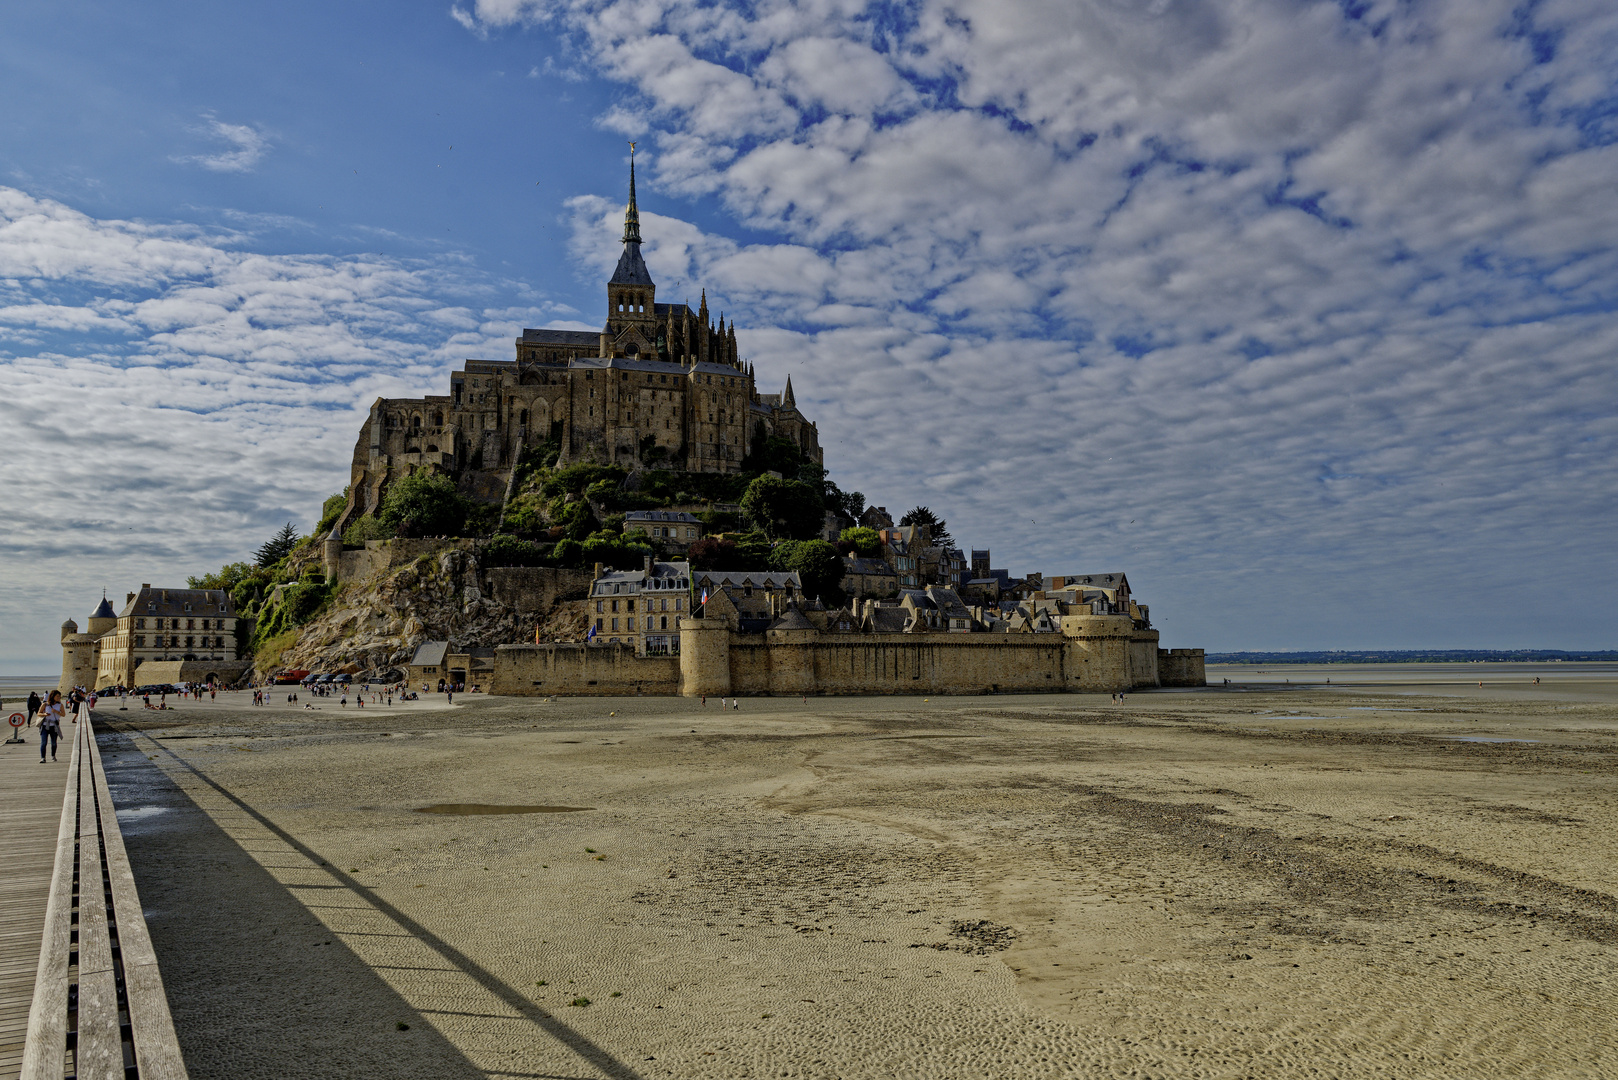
(50, 725)
(33, 706)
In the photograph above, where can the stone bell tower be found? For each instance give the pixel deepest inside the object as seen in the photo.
(631, 328)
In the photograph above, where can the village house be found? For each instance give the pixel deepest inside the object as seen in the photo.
(640, 608)
(666, 528)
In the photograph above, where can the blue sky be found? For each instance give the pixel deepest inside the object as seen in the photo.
(1301, 313)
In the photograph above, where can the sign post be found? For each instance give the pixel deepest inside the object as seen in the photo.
(17, 721)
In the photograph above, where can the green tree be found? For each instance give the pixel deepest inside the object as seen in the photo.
(423, 504)
(226, 577)
(366, 528)
(278, 546)
(817, 565)
(786, 509)
(330, 509)
(508, 550)
(752, 551)
(923, 516)
(619, 551)
(867, 544)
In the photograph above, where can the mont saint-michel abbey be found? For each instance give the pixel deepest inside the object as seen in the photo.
(660, 385)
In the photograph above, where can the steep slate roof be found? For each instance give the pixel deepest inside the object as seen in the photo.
(677, 516)
(889, 620)
(636, 581)
(104, 611)
(165, 602)
(430, 654)
(866, 566)
(759, 579)
(792, 620)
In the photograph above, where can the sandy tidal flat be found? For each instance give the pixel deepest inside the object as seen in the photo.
(1277, 882)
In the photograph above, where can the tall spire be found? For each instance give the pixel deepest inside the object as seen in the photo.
(631, 268)
(632, 215)
(787, 398)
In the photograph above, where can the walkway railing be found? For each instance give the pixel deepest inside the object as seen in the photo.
(99, 1011)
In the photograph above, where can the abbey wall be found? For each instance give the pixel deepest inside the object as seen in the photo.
(660, 385)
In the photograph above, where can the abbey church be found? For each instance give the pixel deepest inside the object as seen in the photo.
(661, 386)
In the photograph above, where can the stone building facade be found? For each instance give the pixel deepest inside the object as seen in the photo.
(191, 632)
(660, 385)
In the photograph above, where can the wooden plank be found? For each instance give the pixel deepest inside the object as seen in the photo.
(44, 1054)
(99, 1051)
(157, 1049)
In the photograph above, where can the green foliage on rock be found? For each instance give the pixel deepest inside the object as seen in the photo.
(817, 565)
(507, 550)
(330, 509)
(574, 479)
(575, 519)
(227, 577)
(621, 552)
(366, 528)
(423, 504)
(569, 553)
(867, 544)
(784, 509)
(297, 605)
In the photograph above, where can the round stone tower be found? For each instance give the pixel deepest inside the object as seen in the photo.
(704, 657)
(78, 658)
(331, 555)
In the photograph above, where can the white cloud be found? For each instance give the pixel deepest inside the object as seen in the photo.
(171, 399)
(247, 144)
(1297, 310)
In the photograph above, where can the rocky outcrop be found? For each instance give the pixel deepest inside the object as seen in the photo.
(377, 624)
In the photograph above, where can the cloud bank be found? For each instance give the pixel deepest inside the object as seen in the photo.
(1300, 312)
(172, 397)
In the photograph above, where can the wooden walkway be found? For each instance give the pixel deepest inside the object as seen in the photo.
(30, 812)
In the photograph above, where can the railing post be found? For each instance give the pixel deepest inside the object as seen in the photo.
(112, 943)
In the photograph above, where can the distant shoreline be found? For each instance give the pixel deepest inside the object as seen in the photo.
(1416, 656)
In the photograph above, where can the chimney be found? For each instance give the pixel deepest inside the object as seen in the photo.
(129, 598)
(648, 566)
(146, 585)
(598, 572)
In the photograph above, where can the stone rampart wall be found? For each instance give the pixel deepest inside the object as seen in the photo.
(582, 670)
(362, 563)
(533, 589)
(1182, 667)
(898, 664)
